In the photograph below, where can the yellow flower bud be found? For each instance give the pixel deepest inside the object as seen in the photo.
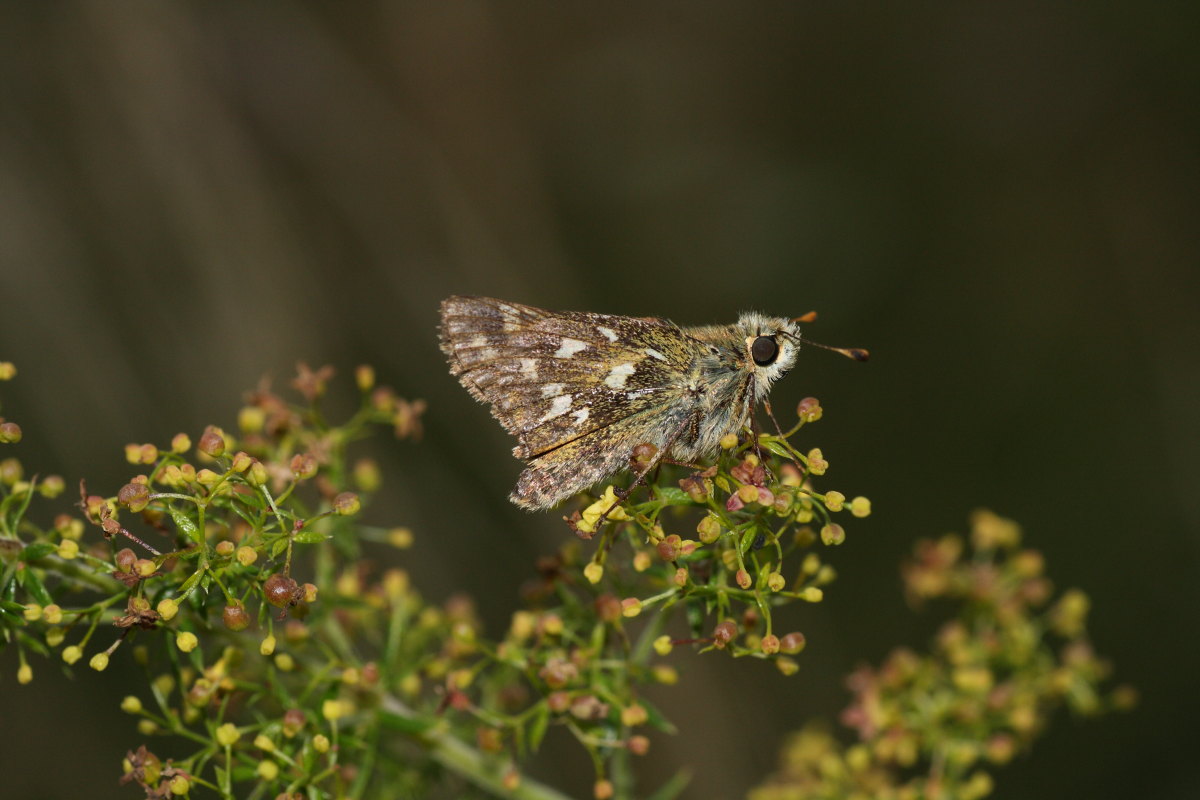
(860, 507)
(593, 572)
(186, 641)
(228, 734)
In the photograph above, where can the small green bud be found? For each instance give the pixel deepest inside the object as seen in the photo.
(709, 529)
(364, 377)
(833, 534)
(809, 409)
(212, 442)
(792, 643)
(10, 433)
(817, 465)
(303, 466)
(346, 504)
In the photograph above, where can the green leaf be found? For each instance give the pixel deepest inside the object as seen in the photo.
(37, 550)
(537, 728)
(279, 547)
(674, 496)
(310, 537)
(722, 483)
(20, 501)
(33, 584)
(655, 718)
(186, 586)
(410, 725)
(777, 447)
(673, 787)
(187, 526)
(695, 618)
(11, 606)
(747, 539)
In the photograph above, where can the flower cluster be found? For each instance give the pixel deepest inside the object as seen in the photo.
(280, 662)
(932, 725)
(727, 544)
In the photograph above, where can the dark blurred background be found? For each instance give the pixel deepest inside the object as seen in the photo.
(1000, 200)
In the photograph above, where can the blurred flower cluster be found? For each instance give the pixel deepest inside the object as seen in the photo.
(280, 661)
(932, 726)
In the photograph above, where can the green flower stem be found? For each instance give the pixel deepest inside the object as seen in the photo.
(462, 759)
(78, 574)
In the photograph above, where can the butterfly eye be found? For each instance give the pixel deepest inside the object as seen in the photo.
(764, 350)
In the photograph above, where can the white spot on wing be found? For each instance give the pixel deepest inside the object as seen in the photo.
(650, 351)
(618, 375)
(569, 348)
(580, 415)
(608, 333)
(529, 367)
(552, 390)
(478, 341)
(558, 407)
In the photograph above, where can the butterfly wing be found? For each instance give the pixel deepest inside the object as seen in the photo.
(575, 388)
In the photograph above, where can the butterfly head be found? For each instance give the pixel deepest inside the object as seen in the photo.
(770, 344)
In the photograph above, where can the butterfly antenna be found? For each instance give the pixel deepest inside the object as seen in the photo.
(857, 353)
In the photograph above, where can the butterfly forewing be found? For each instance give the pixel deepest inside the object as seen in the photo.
(556, 380)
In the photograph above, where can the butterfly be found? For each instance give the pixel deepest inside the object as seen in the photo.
(581, 390)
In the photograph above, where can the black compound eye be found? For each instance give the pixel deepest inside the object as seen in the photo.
(764, 350)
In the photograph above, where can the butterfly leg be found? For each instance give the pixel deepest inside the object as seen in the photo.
(755, 431)
(654, 462)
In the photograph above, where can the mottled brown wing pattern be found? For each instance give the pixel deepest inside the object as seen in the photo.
(551, 378)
